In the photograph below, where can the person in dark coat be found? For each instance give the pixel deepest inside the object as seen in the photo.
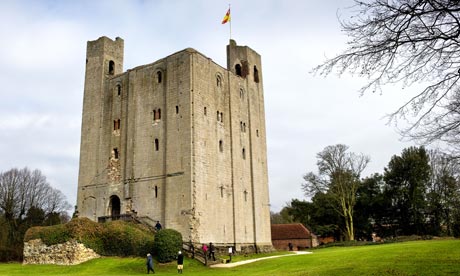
(149, 263)
(158, 225)
(212, 251)
(180, 262)
(192, 249)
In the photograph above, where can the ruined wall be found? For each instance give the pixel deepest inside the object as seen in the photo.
(69, 253)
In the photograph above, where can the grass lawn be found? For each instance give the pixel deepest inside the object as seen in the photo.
(436, 257)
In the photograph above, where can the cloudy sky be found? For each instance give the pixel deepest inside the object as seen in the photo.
(42, 58)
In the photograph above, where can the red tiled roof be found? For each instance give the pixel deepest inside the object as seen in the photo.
(289, 231)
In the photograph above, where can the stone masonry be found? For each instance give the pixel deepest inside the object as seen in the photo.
(180, 140)
(69, 253)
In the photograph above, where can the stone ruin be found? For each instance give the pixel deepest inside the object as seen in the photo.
(69, 253)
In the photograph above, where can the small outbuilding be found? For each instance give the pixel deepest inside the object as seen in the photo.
(292, 236)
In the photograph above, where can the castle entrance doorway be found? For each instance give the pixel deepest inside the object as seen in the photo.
(114, 207)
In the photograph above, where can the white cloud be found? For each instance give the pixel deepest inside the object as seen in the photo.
(42, 78)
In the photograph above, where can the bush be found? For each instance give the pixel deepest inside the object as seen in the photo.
(166, 245)
(117, 238)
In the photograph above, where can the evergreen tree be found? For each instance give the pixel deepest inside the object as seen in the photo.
(407, 178)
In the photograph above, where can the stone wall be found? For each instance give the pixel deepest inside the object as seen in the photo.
(69, 253)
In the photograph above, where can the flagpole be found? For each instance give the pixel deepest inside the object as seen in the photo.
(230, 21)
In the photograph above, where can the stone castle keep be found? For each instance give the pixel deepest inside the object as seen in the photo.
(180, 140)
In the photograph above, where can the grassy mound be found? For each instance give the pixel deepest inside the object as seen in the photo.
(116, 238)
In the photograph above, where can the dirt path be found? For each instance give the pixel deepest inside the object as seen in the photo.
(258, 259)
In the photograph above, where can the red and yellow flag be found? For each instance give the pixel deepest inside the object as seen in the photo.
(226, 17)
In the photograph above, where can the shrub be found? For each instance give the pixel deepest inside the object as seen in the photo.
(166, 245)
(117, 238)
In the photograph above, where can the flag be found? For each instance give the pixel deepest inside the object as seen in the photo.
(226, 17)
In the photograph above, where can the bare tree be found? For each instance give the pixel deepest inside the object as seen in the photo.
(408, 41)
(338, 175)
(21, 190)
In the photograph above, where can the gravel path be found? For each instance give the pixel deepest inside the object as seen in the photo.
(258, 259)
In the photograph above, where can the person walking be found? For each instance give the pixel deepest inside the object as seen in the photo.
(192, 249)
(230, 253)
(158, 225)
(205, 253)
(149, 264)
(212, 251)
(180, 262)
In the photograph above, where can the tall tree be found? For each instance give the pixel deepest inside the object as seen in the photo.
(406, 179)
(412, 42)
(281, 217)
(371, 207)
(26, 198)
(443, 194)
(338, 176)
(318, 215)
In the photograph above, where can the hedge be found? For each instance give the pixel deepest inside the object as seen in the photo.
(116, 238)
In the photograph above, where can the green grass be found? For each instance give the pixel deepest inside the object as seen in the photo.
(435, 257)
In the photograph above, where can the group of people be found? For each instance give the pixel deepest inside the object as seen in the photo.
(179, 258)
(208, 252)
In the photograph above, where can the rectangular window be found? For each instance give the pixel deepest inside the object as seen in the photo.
(116, 124)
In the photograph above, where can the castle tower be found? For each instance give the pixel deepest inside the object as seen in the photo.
(180, 140)
(104, 58)
(246, 64)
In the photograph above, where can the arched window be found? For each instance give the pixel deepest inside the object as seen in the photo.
(256, 74)
(244, 153)
(114, 207)
(115, 153)
(205, 111)
(159, 76)
(219, 81)
(111, 67)
(156, 191)
(241, 93)
(221, 146)
(157, 145)
(177, 109)
(238, 70)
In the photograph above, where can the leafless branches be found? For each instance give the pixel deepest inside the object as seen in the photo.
(408, 41)
(22, 189)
